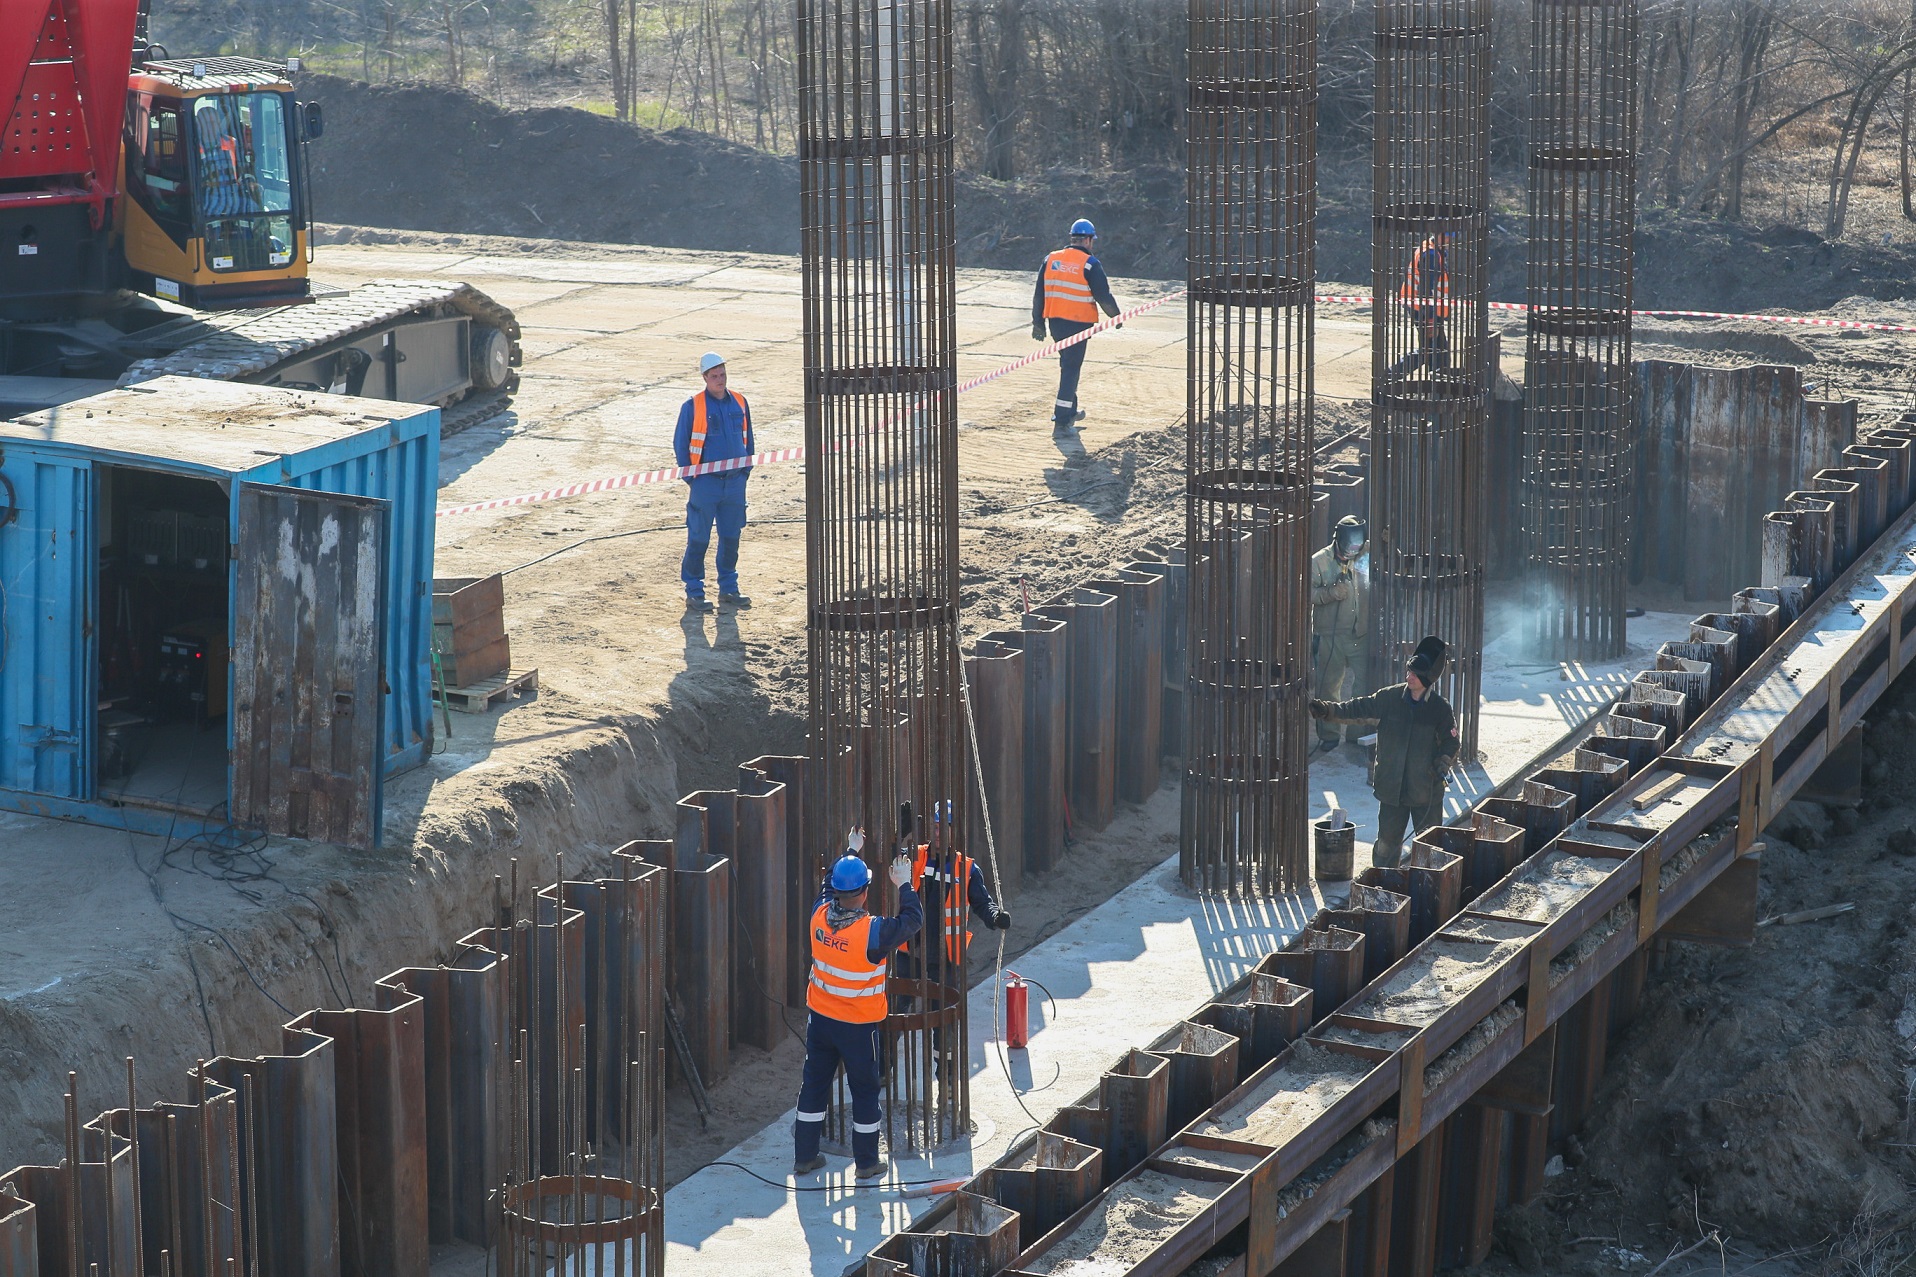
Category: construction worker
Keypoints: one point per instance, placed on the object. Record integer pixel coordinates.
(221, 190)
(846, 996)
(715, 425)
(936, 874)
(1426, 295)
(1416, 747)
(1071, 288)
(1340, 615)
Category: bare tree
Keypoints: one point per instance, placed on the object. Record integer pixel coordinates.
(994, 58)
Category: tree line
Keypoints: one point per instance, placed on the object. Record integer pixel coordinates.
(1731, 91)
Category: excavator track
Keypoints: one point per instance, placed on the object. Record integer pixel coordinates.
(257, 346)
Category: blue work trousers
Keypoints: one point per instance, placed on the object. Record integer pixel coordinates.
(1070, 364)
(828, 1044)
(728, 514)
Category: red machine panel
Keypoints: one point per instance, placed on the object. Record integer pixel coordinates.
(63, 65)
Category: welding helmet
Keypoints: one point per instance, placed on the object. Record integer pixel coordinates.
(850, 873)
(1430, 659)
(1349, 537)
(1083, 229)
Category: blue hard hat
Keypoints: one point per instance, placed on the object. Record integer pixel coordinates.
(1083, 226)
(941, 813)
(850, 873)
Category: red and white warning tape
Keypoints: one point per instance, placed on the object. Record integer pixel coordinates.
(642, 477)
(1808, 321)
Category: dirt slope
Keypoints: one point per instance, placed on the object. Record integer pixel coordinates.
(1765, 1093)
(424, 157)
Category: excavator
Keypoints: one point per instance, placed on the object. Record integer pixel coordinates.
(156, 219)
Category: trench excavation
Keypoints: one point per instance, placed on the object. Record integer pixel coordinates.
(1047, 706)
(1367, 1098)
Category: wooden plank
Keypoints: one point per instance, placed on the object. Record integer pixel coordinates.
(479, 698)
(1658, 791)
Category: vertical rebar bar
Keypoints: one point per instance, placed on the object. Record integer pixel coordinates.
(1430, 375)
(1578, 383)
(133, 1156)
(72, 1170)
(877, 239)
(1251, 199)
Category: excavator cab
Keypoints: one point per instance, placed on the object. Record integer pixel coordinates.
(216, 214)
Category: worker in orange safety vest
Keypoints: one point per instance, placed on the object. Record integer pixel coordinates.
(714, 425)
(1071, 289)
(1426, 296)
(950, 884)
(847, 1000)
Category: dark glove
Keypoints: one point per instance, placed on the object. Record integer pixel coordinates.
(1037, 330)
(1320, 709)
(1001, 921)
(1445, 763)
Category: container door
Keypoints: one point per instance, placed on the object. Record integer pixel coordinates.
(46, 624)
(308, 630)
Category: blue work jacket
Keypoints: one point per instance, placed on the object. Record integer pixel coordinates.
(724, 440)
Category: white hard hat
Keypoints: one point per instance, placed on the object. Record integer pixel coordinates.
(709, 360)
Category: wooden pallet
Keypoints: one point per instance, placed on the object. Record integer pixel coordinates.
(478, 698)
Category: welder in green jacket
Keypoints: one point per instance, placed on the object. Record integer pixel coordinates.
(1416, 747)
(1340, 607)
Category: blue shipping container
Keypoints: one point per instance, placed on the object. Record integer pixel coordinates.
(110, 509)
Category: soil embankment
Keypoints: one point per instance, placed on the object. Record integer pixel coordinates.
(425, 157)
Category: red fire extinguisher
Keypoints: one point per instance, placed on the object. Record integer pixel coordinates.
(1017, 1011)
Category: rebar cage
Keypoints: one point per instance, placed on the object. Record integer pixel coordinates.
(584, 1194)
(881, 485)
(1430, 368)
(1578, 383)
(1251, 193)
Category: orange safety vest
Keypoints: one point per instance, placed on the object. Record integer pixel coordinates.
(846, 984)
(1067, 295)
(1437, 298)
(957, 896)
(697, 449)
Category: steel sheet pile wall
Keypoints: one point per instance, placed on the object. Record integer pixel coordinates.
(1251, 203)
(1430, 347)
(1578, 382)
(1714, 449)
(513, 1095)
(1451, 1022)
(881, 489)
